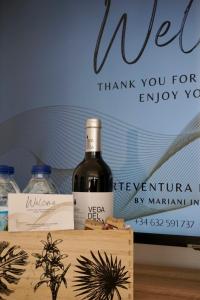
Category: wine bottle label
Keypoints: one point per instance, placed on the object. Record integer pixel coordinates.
(96, 206)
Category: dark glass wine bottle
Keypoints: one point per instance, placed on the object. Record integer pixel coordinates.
(92, 181)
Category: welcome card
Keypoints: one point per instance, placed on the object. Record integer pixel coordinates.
(36, 212)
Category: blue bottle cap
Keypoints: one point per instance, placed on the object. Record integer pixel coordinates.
(11, 170)
(41, 169)
(4, 169)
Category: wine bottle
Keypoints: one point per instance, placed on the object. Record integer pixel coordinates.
(92, 182)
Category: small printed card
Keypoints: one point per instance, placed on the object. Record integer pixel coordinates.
(36, 212)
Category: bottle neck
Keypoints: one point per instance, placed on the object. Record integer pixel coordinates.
(93, 140)
(40, 175)
(93, 155)
(5, 176)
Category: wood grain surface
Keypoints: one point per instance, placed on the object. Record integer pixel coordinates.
(71, 247)
(166, 283)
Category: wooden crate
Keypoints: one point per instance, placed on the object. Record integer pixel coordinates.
(74, 264)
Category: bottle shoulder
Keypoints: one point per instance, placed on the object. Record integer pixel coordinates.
(92, 165)
(6, 185)
(41, 186)
(92, 175)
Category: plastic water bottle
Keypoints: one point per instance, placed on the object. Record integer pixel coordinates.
(5, 188)
(12, 179)
(41, 182)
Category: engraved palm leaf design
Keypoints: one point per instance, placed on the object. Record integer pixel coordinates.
(12, 260)
(100, 278)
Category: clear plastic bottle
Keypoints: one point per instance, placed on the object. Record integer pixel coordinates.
(12, 179)
(5, 188)
(41, 182)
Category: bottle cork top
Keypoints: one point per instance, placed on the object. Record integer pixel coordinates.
(94, 123)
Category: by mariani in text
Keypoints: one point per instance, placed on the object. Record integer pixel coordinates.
(166, 201)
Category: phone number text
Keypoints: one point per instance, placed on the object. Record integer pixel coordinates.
(169, 223)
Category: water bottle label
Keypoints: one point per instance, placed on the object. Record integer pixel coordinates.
(3, 220)
(96, 206)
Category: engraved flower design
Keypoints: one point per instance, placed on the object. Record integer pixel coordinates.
(54, 271)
